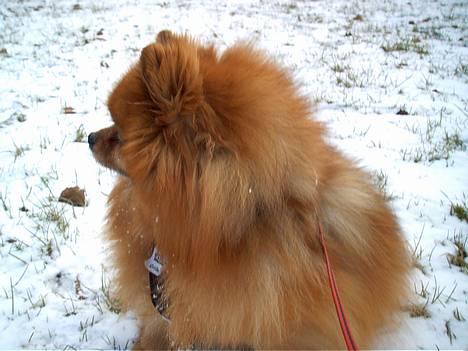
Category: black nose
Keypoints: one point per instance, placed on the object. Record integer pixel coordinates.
(92, 140)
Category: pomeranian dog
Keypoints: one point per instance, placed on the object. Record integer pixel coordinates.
(224, 181)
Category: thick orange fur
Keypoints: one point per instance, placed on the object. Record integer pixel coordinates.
(225, 172)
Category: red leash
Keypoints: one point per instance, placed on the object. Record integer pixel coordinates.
(348, 337)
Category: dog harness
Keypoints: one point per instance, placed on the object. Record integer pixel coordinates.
(156, 282)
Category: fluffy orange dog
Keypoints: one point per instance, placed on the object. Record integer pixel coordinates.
(225, 174)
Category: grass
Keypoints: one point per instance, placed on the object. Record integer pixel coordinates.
(3, 200)
(459, 257)
(457, 315)
(418, 310)
(339, 67)
(453, 142)
(448, 330)
(380, 179)
(459, 210)
(19, 151)
(44, 143)
(12, 297)
(50, 221)
(291, 7)
(80, 134)
(113, 345)
(71, 310)
(437, 294)
(410, 44)
(428, 32)
(461, 69)
(417, 252)
(51, 213)
(443, 149)
(40, 303)
(56, 216)
(340, 80)
(436, 143)
(112, 303)
(351, 79)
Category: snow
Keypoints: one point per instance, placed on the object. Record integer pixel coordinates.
(55, 274)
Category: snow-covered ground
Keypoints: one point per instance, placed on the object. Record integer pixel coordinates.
(390, 78)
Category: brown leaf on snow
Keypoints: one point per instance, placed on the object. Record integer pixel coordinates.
(73, 196)
(68, 110)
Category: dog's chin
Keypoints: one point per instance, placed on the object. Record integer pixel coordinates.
(110, 165)
(119, 171)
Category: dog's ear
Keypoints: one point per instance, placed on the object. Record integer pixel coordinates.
(164, 36)
(171, 73)
(170, 70)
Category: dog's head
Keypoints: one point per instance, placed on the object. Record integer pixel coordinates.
(159, 112)
(216, 136)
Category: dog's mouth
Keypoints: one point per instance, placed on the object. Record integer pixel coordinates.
(105, 152)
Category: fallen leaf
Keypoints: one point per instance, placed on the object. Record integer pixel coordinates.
(68, 110)
(73, 196)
